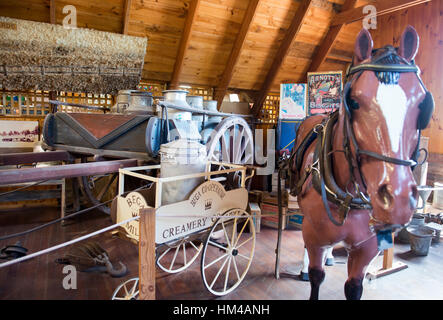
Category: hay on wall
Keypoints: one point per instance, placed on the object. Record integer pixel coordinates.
(42, 56)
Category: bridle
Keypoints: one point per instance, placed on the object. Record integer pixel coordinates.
(323, 177)
(353, 73)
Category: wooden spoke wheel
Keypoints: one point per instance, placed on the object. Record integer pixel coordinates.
(128, 290)
(99, 188)
(179, 255)
(226, 259)
(231, 142)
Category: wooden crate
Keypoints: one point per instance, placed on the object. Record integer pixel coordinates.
(270, 215)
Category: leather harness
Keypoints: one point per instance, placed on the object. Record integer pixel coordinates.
(321, 169)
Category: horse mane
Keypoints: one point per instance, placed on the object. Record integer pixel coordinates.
(393, 58)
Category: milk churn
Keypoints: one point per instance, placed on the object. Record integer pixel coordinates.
(177, 98)
(177, 158)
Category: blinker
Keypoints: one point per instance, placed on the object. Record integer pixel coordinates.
(426, 110)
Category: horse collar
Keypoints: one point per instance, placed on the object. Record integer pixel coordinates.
(323, 176)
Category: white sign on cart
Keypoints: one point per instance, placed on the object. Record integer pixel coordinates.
(180, 219)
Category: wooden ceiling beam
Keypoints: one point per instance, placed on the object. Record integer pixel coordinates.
(226, 77)
(126, 12)
(383, 7)
(290, 35)
(184, 43)
(52, 19)
(325, 48)
(339, 57)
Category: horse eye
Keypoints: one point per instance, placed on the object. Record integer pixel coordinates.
(353, 104)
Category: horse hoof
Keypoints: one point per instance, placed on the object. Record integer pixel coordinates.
(303, 276)
(329, 262)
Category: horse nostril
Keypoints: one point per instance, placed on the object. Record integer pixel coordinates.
(385, 196)
(414, 191)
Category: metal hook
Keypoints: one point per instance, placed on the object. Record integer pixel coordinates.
(116, 273)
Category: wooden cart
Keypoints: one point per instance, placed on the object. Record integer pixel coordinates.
(212, 221)
(99, 137)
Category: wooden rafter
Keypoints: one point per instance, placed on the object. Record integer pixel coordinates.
(126, 12)
(290, 35)
(326, 46)
(52, 19)
(383, 7)
(184, 43)
(340, 58)
(220, 91)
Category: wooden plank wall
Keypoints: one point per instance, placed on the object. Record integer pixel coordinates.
(428, 21)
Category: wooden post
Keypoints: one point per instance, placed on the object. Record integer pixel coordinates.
(388, 264)
(388, 258)
(147, 254)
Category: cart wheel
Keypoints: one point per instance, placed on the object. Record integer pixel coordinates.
(230, 255)
(99, 188)
(179, 255)
(128, 290)
(231, 142)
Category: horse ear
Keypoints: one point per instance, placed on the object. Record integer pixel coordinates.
(409, 43)
(363, 45)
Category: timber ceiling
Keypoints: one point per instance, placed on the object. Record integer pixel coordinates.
(239, 44)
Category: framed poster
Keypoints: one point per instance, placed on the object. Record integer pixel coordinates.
(293, 101)
(15, 134)
(324, 91)
(286, 134)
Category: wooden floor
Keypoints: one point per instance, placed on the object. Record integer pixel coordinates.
(41, 277)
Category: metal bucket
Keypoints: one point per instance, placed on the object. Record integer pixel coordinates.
(197, 103)
(177, 158)
(211, 105)
(420, 240)
(177, 98)
(123, 101)
(417, 221)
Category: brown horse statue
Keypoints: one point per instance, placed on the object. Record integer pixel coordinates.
(352, 169)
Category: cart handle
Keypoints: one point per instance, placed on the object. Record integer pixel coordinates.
(252, 169)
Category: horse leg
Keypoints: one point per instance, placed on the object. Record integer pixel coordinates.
(304, 276)
(315, 271)
(329, 257)
(304, 271)
(358, 261)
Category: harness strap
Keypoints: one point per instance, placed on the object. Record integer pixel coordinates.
(295, 162)
(326, 205)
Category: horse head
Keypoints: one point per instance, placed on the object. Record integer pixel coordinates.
(386, 106)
